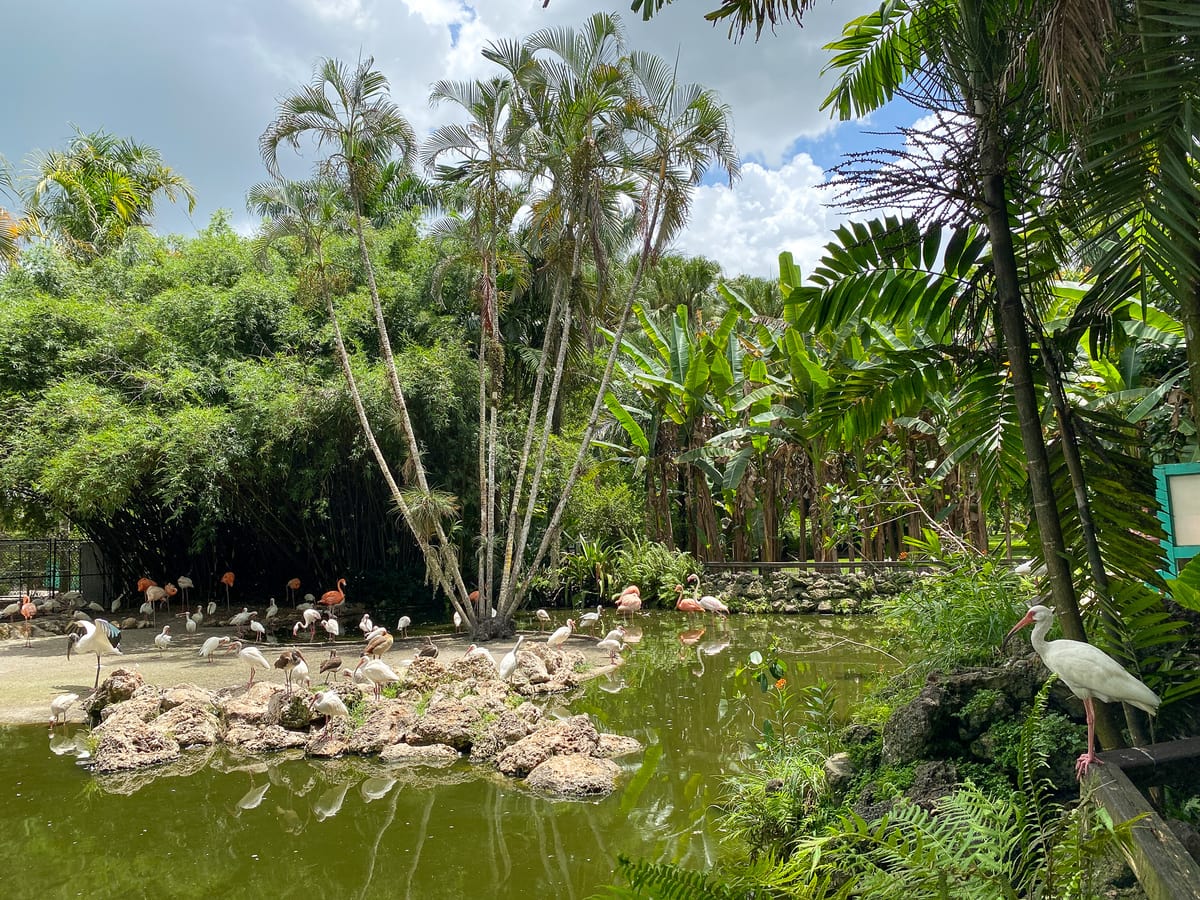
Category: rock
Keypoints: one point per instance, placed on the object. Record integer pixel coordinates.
(611, 746)
(118, 687)
(290, 711)
(327, 743)
(126, 742)
(145, 704)
(503, 730)
(186, 693)
(839, 773)
(190, 724)
(423, 755)
(472, 668)
(257, 738)
(932, 780)
(424, 675)
(247, 706)
(388, 723)
(574, 735)
(455, 724)
(575, 775)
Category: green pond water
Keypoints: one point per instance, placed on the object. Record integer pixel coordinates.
(221, 825)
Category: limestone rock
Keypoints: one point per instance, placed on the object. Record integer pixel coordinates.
(186, 693)
(189, 724)
(610, 746)
(247, 706)
(424, 755)
(424, 675)
(126, 742)
(575, 775)
(258, 738)
(327, 743)
(145, 704)
(574, 735)
(505, 729)
(455, 724)
(388, 723)
(290, 711)
(118, 687)
(839, 772)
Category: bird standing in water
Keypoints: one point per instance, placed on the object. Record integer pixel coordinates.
(1089, 672)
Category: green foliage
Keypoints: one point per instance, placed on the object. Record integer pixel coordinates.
(654, 568)
(783, 798)
(666, 882)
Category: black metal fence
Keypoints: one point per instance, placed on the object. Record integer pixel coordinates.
(53, 566)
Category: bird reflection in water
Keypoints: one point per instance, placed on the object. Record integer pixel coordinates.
(376, 788)
(329, 804)
(612, 683)
(253, 797)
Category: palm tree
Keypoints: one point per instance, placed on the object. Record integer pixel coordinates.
(349, 111)
(12, 226)
(89, 195)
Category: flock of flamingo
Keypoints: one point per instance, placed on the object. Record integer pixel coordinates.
(103, 638)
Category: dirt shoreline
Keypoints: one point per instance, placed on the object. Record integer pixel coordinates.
(30, 677)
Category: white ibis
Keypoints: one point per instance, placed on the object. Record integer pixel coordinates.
(259, 629)
(617, 634)
(378, 673)
(332, 627)
(10, 611)
(240, 620)
(162, 640)
(59, 706)
(251, 656)
(294, 666)
(330, 705)
(100, 637)
(272, 611)
(591, 619)
(402, 626)
(508, 663)
(610, 646)
(380, 644)
(477, 652)
(457, 619)
(543, 618)
(212, 607)
(1089, 672)
(211, 645)
(560, 635)
(365, 625)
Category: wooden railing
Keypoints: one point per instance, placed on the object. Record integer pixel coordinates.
(839, 565)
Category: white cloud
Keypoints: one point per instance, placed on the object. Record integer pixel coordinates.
(746, 227)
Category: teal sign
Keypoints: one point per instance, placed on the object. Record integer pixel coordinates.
(1178, 496)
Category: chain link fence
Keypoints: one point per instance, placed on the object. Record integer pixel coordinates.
(45, 568)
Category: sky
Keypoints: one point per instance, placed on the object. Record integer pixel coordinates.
(200, 82)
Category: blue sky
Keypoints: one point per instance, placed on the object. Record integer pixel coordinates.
(200, 82)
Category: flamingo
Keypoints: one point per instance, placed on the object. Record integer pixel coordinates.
(308, 619)
(560, 636)
(333, 664)
(100, 637)
(185, 585)
(153, 595)
(251, 656)
(629, 603)
(380, 644)
(171, 591)
(688, 605)
(59, 706)
(227, 580)
(292, 586)
(708, 602)
(210, 646)
(402, 626)
(1089, 672)
(335, 597)
(162, 640)
(330, 705)
(378, 673)
(28, 611)
(509, 663)
(145, 583)
(543, 618)
(591, 619)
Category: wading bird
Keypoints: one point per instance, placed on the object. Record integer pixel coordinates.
(332, 627)
(481, 653)
(457, 620)
(259, 629)
(380, 644)
(365, 625)
(335, 597)
(272, 611)
(708, 602)
(251, 656)
(227, 580)
(402, 626)
(508, 663)
(330, 705)
(591, 620)
(185, 585)
(378, 673)
(1089, 672)
(162, 640)
(100, 637)
(629, 603)
(610, 646)
(543, 618)
(292, 586)
(59, 707)
(430, 649)
(211, 645)
(688, 605)
(28, 611)
(560, 636)
(294, 667)
(331, 665)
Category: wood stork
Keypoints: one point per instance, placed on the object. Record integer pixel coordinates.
(100, 637)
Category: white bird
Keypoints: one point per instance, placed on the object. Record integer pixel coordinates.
(332, 628)
(272, 611)
(457, 619)
(211, 645)
(587, 620)
(259, 629)
(100, 637)
(11, 610)
(300, 670)
(560, 636)
(359, 680)
(198, 616)
(481, 653)
(308, 619)
(618, 634)
(251, 656)
(239, 620)
(116, 605)
(330, 705)
(291, 661)
(365, 625)
(708, 602)
(190, 625)
(95, 607)
(376, 632)
(162, 640)
(378, 673)
(1089, 672)
(212, 607)
(509, 662)
(610, 646)
(59, 706)
(80, 616)
(146, 609)
(402, 626)
(543, 618)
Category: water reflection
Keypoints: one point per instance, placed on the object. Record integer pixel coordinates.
(415, 831)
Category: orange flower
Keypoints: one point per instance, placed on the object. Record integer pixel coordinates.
(780, 683)
(904, 554)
